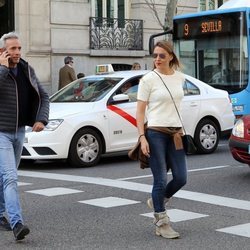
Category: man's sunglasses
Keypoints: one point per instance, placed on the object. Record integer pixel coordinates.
(162, 56)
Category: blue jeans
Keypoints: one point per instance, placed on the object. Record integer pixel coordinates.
(11, 144)
(163, 152)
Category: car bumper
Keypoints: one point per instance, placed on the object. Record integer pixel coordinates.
(46, 145)
(42, 152)
(240, 150)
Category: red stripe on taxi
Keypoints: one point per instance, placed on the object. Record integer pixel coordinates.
(123, 114)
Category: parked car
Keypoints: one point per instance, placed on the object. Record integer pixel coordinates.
(95, 115)
(239, 141)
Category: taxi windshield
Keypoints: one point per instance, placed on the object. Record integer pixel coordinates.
(86, 89)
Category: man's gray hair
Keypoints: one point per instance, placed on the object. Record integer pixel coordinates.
(1, 44)
(68, 59)
(10, 35)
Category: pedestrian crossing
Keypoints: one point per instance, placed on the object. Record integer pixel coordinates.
(176, 215)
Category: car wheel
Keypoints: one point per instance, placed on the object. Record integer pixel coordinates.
(206, 136)
(85, 148)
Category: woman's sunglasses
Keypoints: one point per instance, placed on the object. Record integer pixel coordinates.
(162, 56)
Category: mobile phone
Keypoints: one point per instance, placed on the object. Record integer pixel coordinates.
(4, 49)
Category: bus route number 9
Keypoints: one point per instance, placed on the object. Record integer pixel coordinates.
(186, 29)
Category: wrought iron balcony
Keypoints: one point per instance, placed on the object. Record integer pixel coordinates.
(116, 34)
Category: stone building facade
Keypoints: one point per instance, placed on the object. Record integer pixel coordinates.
(52, 29)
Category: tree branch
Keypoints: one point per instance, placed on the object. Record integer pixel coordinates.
(151, 5)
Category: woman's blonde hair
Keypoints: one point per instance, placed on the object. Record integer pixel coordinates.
(166, 45)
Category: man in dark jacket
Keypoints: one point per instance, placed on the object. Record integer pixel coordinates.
(23, 102)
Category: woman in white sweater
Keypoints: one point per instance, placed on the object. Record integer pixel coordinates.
(161, 142)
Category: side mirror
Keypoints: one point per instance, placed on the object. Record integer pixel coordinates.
(120, 98)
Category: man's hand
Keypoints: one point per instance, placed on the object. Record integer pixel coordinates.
(4, 58)
(38, 126)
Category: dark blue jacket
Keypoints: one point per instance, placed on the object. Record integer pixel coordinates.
(39, 103)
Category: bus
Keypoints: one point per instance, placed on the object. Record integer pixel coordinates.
(214, 46)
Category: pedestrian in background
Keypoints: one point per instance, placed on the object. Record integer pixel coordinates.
(161, 141)
(67, 73)
(80, 75)
(136, 66)
(22, 102)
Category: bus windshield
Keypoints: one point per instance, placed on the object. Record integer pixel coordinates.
(213, 48)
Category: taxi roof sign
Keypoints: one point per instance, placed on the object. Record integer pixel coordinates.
(104, 69)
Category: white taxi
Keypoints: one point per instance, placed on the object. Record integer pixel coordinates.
(95, 115)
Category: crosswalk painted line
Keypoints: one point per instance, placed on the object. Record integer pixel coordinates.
(23, 183)
(241, 230)
(145, 188)
(108, 202)
(177, 215)
(54, 191)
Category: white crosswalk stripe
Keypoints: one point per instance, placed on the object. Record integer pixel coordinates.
(241, 230)
(54, 191)
(176, 215)
(23, 183)
(108, 202)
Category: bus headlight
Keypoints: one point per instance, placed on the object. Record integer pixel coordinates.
(238, 129)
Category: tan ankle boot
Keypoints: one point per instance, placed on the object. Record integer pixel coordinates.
(151, 204)
(163, 227)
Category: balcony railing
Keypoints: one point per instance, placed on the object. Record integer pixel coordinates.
(116, 34)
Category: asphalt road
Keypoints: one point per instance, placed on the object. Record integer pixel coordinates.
(104, 207)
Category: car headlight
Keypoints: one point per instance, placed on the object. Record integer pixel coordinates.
(238, 129)
(51, 126)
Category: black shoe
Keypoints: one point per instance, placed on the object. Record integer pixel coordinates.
(4, 224)
(20, 231)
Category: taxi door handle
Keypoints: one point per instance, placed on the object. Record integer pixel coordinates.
(193, 104)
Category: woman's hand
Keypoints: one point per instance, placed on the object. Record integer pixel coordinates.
(144, 146)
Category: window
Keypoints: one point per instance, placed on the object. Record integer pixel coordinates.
(88, 89)
(6, 16)
(202, 5)
(121, 13)
(210, 4)
(219, 59)
(190, 89)
(129, 88)
(220, 2)
(110, 12)
(98, 12)
(110, 9)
